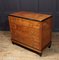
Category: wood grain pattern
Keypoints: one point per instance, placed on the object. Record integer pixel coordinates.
(34, 34)
(31, 15)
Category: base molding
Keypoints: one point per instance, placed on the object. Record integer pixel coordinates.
(30, 48)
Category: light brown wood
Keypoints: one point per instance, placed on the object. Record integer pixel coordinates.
(31, 15)
(31, 29)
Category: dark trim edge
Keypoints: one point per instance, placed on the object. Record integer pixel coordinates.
(39, 53)
(30, 18)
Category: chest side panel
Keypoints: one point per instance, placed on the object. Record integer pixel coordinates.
(47, 28)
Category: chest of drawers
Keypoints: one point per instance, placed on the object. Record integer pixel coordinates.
(31, 30)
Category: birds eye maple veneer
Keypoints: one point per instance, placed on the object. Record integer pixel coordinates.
(31, 30)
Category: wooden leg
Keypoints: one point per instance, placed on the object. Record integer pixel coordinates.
(40, 54)
(13, 42)
(49, 45)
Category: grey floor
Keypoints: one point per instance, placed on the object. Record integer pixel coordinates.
(8, 51)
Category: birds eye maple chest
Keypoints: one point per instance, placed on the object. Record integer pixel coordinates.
(31, 30)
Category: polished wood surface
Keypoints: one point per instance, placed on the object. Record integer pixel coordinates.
(31, 15)
(29, 33)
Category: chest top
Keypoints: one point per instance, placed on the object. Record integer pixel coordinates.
(31, 15)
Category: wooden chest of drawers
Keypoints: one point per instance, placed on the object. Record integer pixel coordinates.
(31, 30)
